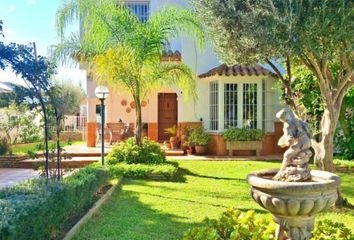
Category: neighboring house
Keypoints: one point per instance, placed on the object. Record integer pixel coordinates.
(236, 96)
(4, 88)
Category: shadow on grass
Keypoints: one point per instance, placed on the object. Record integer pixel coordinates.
(183, 171)
(125, 217)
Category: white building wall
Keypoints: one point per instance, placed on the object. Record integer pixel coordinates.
(188, 111)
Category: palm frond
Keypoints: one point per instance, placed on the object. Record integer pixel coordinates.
(178, 75)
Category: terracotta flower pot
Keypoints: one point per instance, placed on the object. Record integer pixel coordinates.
(174, 142)
(189, 150)
(200, 150)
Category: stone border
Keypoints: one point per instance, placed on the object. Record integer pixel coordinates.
(77, 227)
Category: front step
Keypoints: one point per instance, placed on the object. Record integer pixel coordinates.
(174, 153)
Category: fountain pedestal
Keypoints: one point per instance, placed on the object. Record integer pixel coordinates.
(294, 204)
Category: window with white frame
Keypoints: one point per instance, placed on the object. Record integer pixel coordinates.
(230, 105)
(140, 8)
(240, 105)
(250, 105)
(213, 106)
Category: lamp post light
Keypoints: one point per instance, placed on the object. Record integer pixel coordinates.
(102, 93)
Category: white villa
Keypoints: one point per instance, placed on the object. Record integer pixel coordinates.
(235, 96)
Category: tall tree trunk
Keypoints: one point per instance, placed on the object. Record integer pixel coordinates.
(324, 148)
(138, 123)
(58, 147)
(46, 135)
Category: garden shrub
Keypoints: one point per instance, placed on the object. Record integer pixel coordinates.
(344, 163)
(233, 224)
(4, 146)
(236, 225)
(329, 230)
(243, 134)
(162, 171)
(199, 137)
(129, 152)
(41, 208)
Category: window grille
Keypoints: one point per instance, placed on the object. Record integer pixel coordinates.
(140, 8)
(230, 105)
(250, 105)
(213, 106)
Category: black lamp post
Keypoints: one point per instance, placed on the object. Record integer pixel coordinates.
(102, 93)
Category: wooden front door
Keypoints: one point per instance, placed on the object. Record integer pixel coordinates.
(167, 114)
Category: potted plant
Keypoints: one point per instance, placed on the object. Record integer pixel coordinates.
(243, 139)
(173, 139)
(200, 138)
(187, 148)
(167, 144)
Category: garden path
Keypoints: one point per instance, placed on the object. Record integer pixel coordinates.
(11, 176)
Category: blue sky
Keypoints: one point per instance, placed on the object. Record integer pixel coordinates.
(28, 21)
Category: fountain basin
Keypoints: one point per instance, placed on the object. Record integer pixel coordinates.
(294, 204)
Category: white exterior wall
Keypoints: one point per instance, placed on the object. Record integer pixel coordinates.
(188, 111)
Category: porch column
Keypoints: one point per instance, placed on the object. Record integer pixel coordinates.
(91, 113)
(179, 106)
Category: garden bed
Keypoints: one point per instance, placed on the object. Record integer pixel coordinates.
(101, 196)
(42, 209)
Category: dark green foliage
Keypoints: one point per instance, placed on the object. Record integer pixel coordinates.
(4, 146)
(243, 134)
(345, 144)
(308, 95)
(236, 225)
(40, 208)
(162, 171)
(129, 152)
(309, 98)
(344, 138)
(199, 137)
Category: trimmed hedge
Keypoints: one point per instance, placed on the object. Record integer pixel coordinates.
(163, 171)
(243, 134)
(129, 152)
(41, 209)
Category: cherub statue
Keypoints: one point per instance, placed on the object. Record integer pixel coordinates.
(297, 136)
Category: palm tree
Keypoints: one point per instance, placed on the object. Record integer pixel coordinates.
(123, 52)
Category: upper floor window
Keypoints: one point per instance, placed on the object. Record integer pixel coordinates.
(140, 8)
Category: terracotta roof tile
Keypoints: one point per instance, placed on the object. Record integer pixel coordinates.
(237, 70)
(171, 56)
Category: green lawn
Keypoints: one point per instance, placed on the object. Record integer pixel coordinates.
(22, 149)
(164, 210)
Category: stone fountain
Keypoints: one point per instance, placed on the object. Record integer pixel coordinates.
(294, 194)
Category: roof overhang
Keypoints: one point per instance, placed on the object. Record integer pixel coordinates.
(170, 56)
(237, 70)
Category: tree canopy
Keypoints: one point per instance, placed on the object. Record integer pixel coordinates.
(317, 35)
